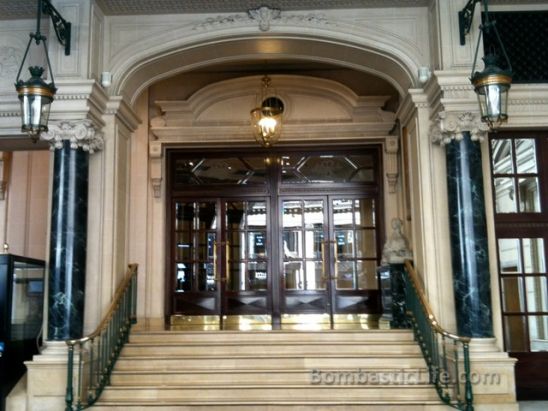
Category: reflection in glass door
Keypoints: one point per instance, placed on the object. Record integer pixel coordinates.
(330, 256)
(196, 267)
(246, 257)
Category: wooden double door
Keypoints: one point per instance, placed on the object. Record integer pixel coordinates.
(274, 258)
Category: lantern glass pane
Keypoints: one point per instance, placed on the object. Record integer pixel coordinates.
(493, 102)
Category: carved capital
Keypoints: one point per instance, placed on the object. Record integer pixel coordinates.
(81, 134)
(448, 127)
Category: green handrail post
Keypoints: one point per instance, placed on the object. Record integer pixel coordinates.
(69, 397)
(429, 335)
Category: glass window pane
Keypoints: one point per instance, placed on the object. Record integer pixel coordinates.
(292, 244)
(313, 214)
(257, 244)
(206, 277)
(538, 332)
(184, 215)
(258, 276)
(501, 151)
(366, 246)
(313, 244)
(515, 334)
(207, 216)
(27, 296)
(315, 277)
(256, 214)
(529, 196)
(184, 276)
(537, 294)
(294, 276)
(327, 169)
(235, 215)
(345, 273)
(342, 213)
(512, 295)
(509, 256)
(344, 241)
(367, 275)
(236, 245)
(292, 214)
(533, 254)
(364, 212)
(505, 195)
(206, 241)
(184, 246)
(526, 158)
(236, 279)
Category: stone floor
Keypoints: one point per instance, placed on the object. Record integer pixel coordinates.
(533, 406)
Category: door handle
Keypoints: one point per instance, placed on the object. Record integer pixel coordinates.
(227, 262)
(215, 278)
(336, 260)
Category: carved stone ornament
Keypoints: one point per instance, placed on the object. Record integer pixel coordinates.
(396, 249)
(448, 127)
(81, 134)
(264, 15)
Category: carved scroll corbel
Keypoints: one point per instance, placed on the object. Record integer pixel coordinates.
(155, 154)
(391, 158)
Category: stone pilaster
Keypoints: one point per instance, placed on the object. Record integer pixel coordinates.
(72, 141)
(460, 133)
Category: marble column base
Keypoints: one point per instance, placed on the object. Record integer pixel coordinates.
(493, 379)
(47, 378)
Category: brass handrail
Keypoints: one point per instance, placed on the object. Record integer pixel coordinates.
(444, 352)
(413, 276)
(99, 350)
(131, 270)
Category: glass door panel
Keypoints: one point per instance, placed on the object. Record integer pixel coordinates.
(195, 264)
(302, 236)
(355, 255)
(246, 257)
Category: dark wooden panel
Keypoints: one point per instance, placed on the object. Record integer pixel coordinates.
(531, 375)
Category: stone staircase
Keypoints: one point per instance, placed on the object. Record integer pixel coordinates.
(274, 370)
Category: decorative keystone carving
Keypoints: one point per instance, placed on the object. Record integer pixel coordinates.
(264, 15)
(81, 134)
(396, 249)
(448, 127)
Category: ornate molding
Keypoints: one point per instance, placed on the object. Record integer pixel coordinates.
(81, 134)
(448, 127)
(264, 15)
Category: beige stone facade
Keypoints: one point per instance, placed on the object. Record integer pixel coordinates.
(188, 80)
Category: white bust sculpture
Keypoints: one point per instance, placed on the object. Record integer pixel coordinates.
(396, 249)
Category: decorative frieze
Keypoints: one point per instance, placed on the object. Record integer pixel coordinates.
(263, 15)
(81, 134)
(449, 126)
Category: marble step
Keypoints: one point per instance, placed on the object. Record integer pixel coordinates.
(174, 406)
(269, 377)
(258, 394)
(271, 336)
(273, 349)
(193, 362)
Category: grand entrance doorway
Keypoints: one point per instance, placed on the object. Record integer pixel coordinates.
(274, 239)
